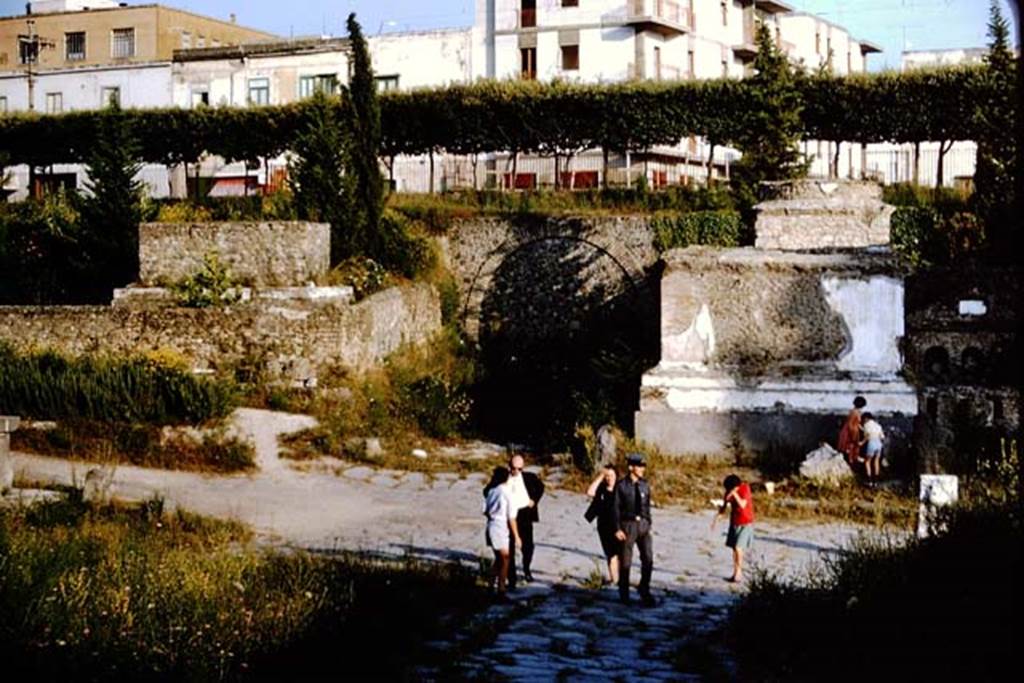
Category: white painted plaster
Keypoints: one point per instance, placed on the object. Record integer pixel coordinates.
(973, 307)
(872, 309)
(696, 344)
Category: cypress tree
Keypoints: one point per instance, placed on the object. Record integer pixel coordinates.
(995, 176)
(365, 149)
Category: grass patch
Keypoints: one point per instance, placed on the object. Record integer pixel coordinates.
(693, 482)
(933, 609)
(136, 594)
(137, 444)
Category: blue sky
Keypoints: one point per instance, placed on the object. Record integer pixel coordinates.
(893, 24)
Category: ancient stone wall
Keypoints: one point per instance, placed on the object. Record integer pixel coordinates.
(963, 350)
(267, 254)
(292, 340)
(507, 268)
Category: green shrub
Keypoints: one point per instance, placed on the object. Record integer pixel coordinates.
(49, 386)
(914, 597)
(441, 409)
(212, 285)
(913, 233)
(945, 200)
(712, 228)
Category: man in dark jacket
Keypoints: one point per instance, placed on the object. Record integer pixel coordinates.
(526, 491)
(633, 510)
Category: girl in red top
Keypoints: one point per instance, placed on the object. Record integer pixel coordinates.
(741, 522)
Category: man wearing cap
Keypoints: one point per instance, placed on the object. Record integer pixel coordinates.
(633, 510)
(525, 491)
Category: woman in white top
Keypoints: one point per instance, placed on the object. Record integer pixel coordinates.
(501, 521)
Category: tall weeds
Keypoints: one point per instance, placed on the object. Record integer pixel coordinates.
(50, 386)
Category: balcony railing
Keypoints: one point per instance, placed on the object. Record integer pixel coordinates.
(664, 16)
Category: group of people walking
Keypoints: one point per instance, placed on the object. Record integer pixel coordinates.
(622, 509)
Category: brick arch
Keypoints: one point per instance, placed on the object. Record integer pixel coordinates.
(480, 248)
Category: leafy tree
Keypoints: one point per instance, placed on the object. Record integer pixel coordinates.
(772, 120)
(323, 191)
(112, 209)
(998, 164)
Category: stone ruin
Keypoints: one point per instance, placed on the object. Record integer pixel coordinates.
(287, 326)
(763, 349)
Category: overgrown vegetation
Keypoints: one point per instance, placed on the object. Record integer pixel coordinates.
(419, 396)
(211, 285)
(136, 594)
(48, 386)
(712, 228)
(915, 597)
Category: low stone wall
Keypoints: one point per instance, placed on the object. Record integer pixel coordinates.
(293, 341)
(267, 254)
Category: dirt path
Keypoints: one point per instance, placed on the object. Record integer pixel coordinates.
(560, 630)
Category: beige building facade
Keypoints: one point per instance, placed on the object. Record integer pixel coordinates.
(107, 33)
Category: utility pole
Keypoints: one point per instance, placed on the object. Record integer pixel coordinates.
(30, 45)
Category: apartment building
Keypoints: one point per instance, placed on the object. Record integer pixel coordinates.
(82, 33)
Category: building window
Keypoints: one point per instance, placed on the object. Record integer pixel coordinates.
(849, 62)
(200, 98)
(200, 41)
(528, 63)
(571, 57)
(54, 103)
(122, 43)
(259, 91)
(386, 83)
(3, 104)
(74, 46)
(528, 13)
(570, 3)
(186, 40)
(817, 43)
(657, 63)
(691, 64)
(110, 96)
(725, 68)
(325, 83)
(725, 12)
(28, 51)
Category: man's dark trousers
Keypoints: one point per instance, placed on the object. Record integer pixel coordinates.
(638, 532)
(524, 520)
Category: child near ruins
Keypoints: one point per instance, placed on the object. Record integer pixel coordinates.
(872, 442)
(741, 522)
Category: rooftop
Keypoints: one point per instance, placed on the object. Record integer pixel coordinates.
(264, 48)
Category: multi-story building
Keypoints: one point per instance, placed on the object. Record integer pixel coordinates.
(80, 33)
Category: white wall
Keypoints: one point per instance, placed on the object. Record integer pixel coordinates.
(141, 85)
(424, 59)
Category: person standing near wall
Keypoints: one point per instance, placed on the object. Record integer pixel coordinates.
(633, 512)
(850, 435)
(526, 491)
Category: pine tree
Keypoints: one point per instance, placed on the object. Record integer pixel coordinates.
(112, 208)
(995, 199)
(772, 129)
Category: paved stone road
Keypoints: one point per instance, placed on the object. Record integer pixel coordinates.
(557, 630)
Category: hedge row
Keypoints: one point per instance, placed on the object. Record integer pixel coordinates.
(545, 118)
(48, 386)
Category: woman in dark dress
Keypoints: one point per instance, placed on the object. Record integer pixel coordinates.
(602, 495)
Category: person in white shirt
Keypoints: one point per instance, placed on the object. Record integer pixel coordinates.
(501, 527)
(526, 491)
(872, 442)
